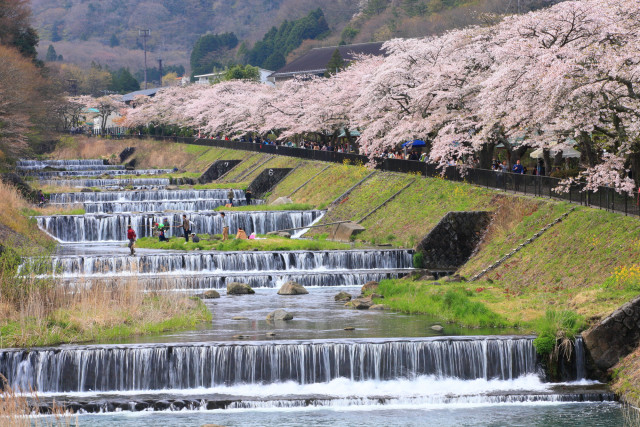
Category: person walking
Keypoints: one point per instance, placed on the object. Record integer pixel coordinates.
(186, 228)
(131, 235)
(230, 197)
(225, 226)
(247, 196)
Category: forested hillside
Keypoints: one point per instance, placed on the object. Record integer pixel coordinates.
(106, 31)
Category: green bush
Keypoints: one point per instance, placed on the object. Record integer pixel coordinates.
(555, 326)
(418, 260)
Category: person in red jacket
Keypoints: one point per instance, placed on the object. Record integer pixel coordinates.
(131, 235)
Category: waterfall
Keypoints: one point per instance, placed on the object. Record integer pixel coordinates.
(124, 182)
(254, 279)
(229, 262)
(37, 170)
(41, 164)
(161, 206)
(144, 196)
(185, 366)
(88, 173)
(581, 372)
(103, 227)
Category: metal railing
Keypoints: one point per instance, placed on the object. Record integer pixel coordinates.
(541, 186)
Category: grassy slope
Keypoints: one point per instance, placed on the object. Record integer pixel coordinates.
(330, 184)
(297, 178)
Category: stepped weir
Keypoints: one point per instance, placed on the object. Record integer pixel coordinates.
(328, 360)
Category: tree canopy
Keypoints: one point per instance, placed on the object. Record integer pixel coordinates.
(206, 52)
(271, 51)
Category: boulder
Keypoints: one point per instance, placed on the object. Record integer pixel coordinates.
(210, 294)
(349, 328)
(271, 334)
(343, 296)
(378, 307)
(369, 287)
(455, 278)
(427, 278)
(236, 288)
(279, 314)
(361, 303)
(86, 190)
(282, 201)
(345, 231)
(239, 318)
(373, 296)
(437, 328)
(292, 288)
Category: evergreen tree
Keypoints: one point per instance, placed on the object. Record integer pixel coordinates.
(122, 81)
(335, 65)
(56, 35)
(279, 42)
(203, 56)
(113, 41)
(274, 62)
(51, 54)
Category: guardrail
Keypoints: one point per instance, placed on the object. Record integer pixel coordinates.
(541, 186)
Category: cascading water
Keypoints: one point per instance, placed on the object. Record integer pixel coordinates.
(161, 206)
(115, 182)
(338, 278)
(144, 196)
(228, 262)
(104, 228)
(318, 363)
(156, 367)
(63, 164)
(44, 175)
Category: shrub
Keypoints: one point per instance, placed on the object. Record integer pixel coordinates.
(418, 260)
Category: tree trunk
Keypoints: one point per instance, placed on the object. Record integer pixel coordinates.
(546, 155)
(585, 143)
(485, 155)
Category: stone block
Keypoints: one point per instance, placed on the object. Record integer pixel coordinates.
(344, 231)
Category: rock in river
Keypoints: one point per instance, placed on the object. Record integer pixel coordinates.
(292, 288)
(279, 314)
(236, 288)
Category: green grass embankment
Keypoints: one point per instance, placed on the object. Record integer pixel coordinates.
(265, 243)
(296, 179)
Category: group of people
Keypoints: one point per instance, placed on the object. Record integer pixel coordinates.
(517, 168)
(188, 227)
(248, 196)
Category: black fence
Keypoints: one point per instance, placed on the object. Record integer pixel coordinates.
(542, 186)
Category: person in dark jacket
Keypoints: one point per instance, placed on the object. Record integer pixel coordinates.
(517, 168)
(247, 196)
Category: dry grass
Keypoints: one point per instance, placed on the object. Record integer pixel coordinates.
(51, 312)
(23, 409)
(149, 153)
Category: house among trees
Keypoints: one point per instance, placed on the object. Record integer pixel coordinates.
(316, 61)
(128, 97)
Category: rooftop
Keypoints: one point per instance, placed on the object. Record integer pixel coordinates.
(127, 97)
(315, 61)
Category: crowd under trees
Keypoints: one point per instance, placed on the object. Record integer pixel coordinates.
(564, 76)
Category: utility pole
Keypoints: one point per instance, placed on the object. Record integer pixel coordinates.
(145, 34)
(73, 86)
(160, 69)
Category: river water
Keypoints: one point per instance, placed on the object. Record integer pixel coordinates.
(329, 366)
